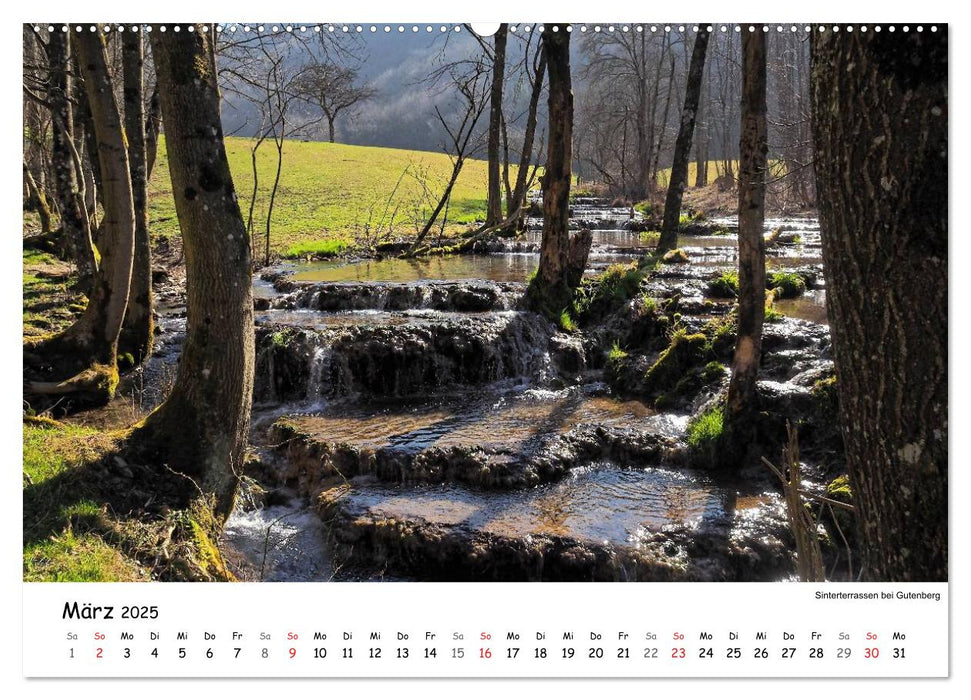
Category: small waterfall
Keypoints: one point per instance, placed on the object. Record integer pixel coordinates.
(319, 364)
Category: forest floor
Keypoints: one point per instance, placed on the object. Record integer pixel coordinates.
(90, 512)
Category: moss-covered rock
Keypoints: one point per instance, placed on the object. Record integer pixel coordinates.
(675, 257)
(600, 296)
(683, 354)
(724, 286)
(785, 285)
(704, 435)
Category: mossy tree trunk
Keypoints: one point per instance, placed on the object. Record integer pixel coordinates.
(88, 349)
(551, 291)
(38, 200)
(742, 396)
(682, 147)
(201, 429)
(494, 201)
(138, 329)
(65, 161)
(880, 133)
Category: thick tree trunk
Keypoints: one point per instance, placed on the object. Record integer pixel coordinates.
(153, 126)
(330, 128)
(753, 147)
(88, 349)
(682, 147)
(551, 290)
(137, 332)
(64, 161)
(109, 297)
(201, 429)
(494, 201)
(880, 134)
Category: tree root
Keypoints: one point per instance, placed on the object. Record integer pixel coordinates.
(93, 386)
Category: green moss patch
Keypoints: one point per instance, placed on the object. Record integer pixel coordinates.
(725, 286)
(785, 285)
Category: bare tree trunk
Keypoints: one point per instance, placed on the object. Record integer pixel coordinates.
(278, 142)
(442, 203)
(880, 134)
(494, 202)
(87, 351)
(704, 137)
(330, 128)
(551, 290)
(153, 126)
(522, 175)
(138, 330)
(656, 159)
(682, 147)
(506, 184)
(201, 429)
(64, 160)
(742, 396)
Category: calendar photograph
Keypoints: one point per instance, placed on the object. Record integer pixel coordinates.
(523, 302)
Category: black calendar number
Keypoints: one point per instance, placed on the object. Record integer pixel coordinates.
(761, 653)
(127, 653)
(320, 653)
(237, 650)
(733, 653)
(139, 612)
(596, 653)
(568, 653)
(181, 652)
(816, 653)
(706, 653)
(375, 652)
(788, 652)
(898, 653)
(402, 652)
(539, 653)
(512, 652)
(623, 653)
(431, 653)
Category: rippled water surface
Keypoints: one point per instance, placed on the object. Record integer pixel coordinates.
(601, 502)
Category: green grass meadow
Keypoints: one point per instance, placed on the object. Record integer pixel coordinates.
(334, 192)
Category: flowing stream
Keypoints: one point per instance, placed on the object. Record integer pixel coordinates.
(420, 426)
